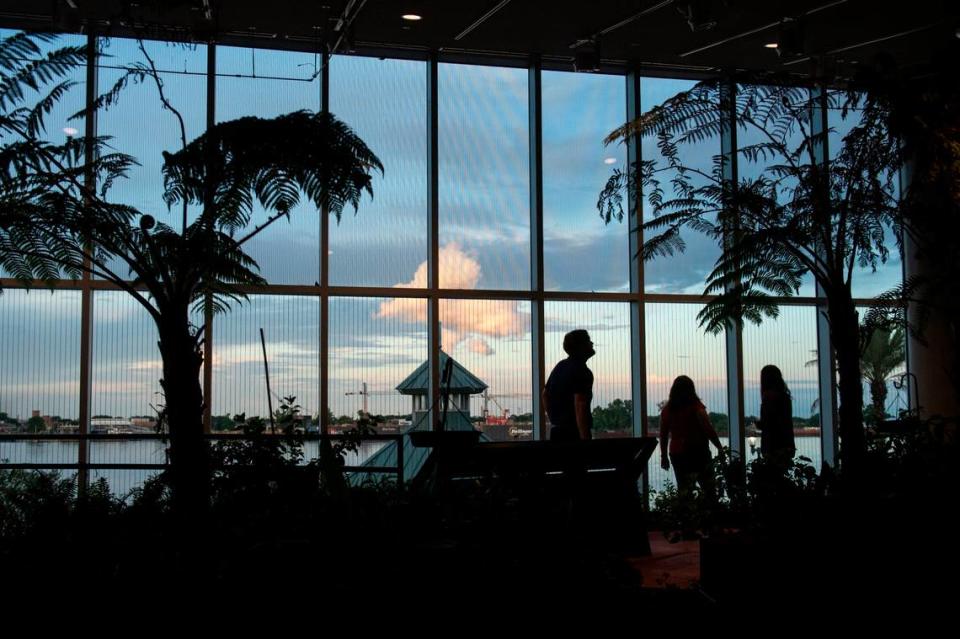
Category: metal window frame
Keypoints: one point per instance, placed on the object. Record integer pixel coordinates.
(536, 294)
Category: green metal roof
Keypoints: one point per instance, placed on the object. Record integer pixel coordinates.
(462, 380)
(413, 457)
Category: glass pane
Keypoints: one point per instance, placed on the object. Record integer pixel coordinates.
(489, 341)
(40, 359)
(684, 272)
(883, 364)
(579, 110)
(58, 125)
(376, 344)
(867, 282)
(39, 374)
(484, 175)
(291, 327)
(266, 84)
(790, 343)
(139, 124)
(609, 326)
(750, 134)
(676, 345)
(127, 368)
(385, 241)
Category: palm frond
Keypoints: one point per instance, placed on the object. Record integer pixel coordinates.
(277, 160)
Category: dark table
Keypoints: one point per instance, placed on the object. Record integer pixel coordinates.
(598, 478)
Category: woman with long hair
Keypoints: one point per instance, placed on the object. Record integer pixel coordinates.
(685, 431)
(776, 416)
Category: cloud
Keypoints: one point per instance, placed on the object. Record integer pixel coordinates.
(461, 319)
(480, 346)
(146, 365)
(280, 354)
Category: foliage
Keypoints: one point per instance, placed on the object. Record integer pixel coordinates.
(616, 416)
(720, 422)
(36, 425)
(682, 514)
(791, 219)
(222, 422)
(797, 216)
(36, 174)
(922, 116)
(29, 500)
(883, 353)
(53, 222)
(743, 495)
(333, 451)
(918, 462)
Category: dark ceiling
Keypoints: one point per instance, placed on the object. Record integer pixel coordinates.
(652, 34)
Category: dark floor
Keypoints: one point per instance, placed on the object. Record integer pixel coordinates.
(669, 565)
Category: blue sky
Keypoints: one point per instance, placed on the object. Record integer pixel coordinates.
(484, 230)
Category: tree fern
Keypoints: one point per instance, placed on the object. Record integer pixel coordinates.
(795, 218)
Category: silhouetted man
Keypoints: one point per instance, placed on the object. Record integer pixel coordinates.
(569, 390)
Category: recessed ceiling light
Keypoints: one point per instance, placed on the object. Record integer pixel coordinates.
(610, 161)
(771, 45)
(69, 130)
(412, 17)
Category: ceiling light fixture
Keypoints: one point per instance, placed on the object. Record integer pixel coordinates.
(698, 13)
(412, 17)
(771, 45)
(586, 58)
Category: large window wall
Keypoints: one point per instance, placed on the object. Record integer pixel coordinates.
(482, 243)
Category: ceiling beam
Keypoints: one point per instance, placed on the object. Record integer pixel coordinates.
(482, 19)
(751, 32)
(623, 23)
(345, 20)
(866, 43)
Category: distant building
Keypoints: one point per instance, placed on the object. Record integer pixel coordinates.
(463, 384)
(143, 422)
(105, 425)
(49, 421)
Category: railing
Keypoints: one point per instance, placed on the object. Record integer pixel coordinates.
(79, 452)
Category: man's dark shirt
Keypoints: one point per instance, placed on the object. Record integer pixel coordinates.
(569, 377)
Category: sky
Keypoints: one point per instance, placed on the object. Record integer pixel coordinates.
(484, 197)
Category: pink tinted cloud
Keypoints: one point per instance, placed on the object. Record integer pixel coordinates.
(480, 346)
(462, 320)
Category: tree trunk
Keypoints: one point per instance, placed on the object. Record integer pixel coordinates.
(183, 398)
(878, 393)
(845, 334)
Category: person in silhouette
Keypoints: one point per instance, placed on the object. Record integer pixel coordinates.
(776, 417)
(569, 391)
(685, 432)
